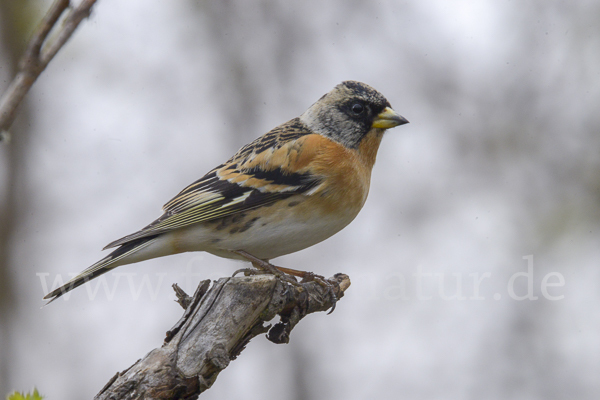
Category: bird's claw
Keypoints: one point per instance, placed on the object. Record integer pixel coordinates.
(249, 272)
(323, 282)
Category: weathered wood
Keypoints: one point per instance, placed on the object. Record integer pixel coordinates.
(217, 325)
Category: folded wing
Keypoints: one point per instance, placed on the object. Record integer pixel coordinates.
(273, 167)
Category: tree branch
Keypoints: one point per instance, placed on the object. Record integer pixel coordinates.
(38, 54)
(216, 326)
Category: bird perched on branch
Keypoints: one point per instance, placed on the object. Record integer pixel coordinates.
(291, 188)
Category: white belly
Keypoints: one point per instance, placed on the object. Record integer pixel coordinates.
(266, 235)
(274, 240)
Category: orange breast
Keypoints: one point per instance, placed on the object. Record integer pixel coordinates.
(347, 172)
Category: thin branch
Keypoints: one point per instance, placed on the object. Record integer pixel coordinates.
(43, 30)
(38, 54)
(215, 328)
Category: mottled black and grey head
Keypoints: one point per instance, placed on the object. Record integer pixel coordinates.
(349, 112)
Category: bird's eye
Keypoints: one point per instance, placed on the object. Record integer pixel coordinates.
(357, 108)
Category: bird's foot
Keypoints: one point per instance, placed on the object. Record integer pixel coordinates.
(287, 275)
(262, 267)
(323, 282)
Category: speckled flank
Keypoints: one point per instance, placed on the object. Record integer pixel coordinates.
(246, 225)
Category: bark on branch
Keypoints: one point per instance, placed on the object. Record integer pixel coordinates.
(217, 325)
(38, 54)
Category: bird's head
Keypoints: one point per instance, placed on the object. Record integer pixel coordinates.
(349, 112)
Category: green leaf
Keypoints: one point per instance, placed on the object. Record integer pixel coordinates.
(19, 396)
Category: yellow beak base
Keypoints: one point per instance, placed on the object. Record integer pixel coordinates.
(388, 118)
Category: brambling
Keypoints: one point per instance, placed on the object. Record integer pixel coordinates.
(291, 188)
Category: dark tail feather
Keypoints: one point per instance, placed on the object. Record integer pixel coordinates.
(100, 267)
(80, 279)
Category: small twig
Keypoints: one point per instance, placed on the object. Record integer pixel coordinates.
(182, 297)
(186, 301)
(32, 53)
(38, 54)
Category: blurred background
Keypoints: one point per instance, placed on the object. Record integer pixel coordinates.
(474, 264)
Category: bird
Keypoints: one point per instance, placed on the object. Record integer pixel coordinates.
(293, 187)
